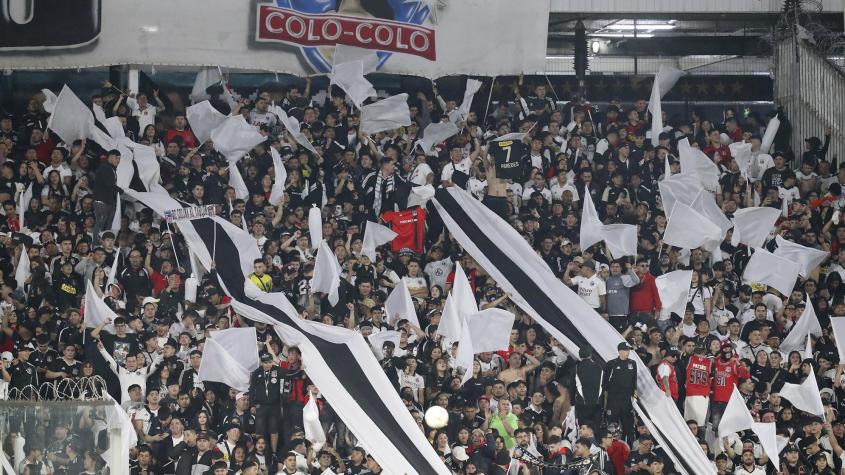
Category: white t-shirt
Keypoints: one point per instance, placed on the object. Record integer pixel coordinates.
(145, 117)
(438, 271)
(413, 283)
(590, 289)
(465, 165)
(420, 173)
(557, 191)
(478, 188)
(413, 381)
(697, 297)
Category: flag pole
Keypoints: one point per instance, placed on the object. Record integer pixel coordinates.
(489, 98)
(173, 243)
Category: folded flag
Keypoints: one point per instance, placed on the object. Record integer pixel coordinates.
(277, 191)
(769, 135)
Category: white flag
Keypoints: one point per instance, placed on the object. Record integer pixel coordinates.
(696, 162)
(277, 191)
(115, 222)
(705, 203)
(838, 325)
(767, 434)
(73, 120)
(149, 169)
(23, 204)
(346, 54)
(375, 235)
(350, 77)
(420, 195)
(807, 258)
(311, 424)
(683, 187)
(769, 269)
(386, 114)
(688, 229)
(673, 289)
(96, 310)
(769, 136)
(22, 271)
(621, 239)
(464, 302)
(804, 396)
(736, 417)
(741, 152)
(114, 127)
(206, 78)
(294, 128)
(807, 324)
(50, 100)
(230, 356)
(236, 181)
(466, 352)
(473, 85)
(113, 270)
(451, 321)
(315, 226)
(376, 341)
(752, 225)
(667, 76)
(591, 225)
(399, 305)
(203, 119)
(435, 133)
(326, 273)
(234, 138)
(656, 110)
(490, 329)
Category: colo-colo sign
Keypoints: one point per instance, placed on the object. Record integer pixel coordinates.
(316, 26)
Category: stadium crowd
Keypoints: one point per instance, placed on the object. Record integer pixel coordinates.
(532, 399)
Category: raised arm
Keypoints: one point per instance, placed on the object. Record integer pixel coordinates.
(105, 354)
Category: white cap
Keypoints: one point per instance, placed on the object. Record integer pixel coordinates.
(7, 356)
(149, 300)
(460, 454)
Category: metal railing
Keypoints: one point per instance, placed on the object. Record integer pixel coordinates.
(812, 92)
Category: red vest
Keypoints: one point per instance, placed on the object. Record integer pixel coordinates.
(673, 379)
(698, 380)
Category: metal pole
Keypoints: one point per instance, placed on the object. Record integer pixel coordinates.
(486, 109)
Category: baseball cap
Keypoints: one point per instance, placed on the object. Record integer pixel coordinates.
(148, 300)
(460, 453)
(7, 356)
(623, 346)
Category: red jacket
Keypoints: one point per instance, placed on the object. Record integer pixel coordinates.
(188, 138)
(644, 296)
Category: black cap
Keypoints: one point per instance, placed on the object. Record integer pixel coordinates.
(203, 435)
(623, 346)
(266, 357)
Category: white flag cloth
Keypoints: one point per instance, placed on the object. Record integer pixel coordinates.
(767, 433)
(73, 120)
(375, 235)
(736, 418)
(203, 119)
(377, 340)
(277, 191)
(315, 226)
(435, 133)
(115, 222)
(118, 420)
(420, 195)
(386, 114)
(464, 301)
(23, 204)
(451, 321)
(234, 138)
(466, 352)
(688, 229)
(206, 78)
(99, 112)
(459, 114)
(399, 305)
(769, 135)
(808, 348)
(50, 100)
(769, 269)
(807, 258)
(149, 169)
(125, 171)
(752, 225)
(838, 325)
(673, 289)
(705, 203)
(807, 324)
(621, 239)
(664, 81)
(229, 357)
(114, 127)
(112, 278)
(350, 77)
(696, 162)
(294, 128)
(591, 225)
(656, 110)
(236, 181)
(686, 188)
(326, 273)
(346, 54)
(490, 329)
(804, 396)
(96, 310)
(311, 423)
(22, 271)
(741, 152)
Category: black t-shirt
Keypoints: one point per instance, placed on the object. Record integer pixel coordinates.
(119, 347)
(636, 458)
(62, 366)
(510, 158)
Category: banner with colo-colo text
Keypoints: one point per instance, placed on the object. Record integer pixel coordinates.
(419, 37)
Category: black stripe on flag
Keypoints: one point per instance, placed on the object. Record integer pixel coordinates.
(516, 276)
(338, 357)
